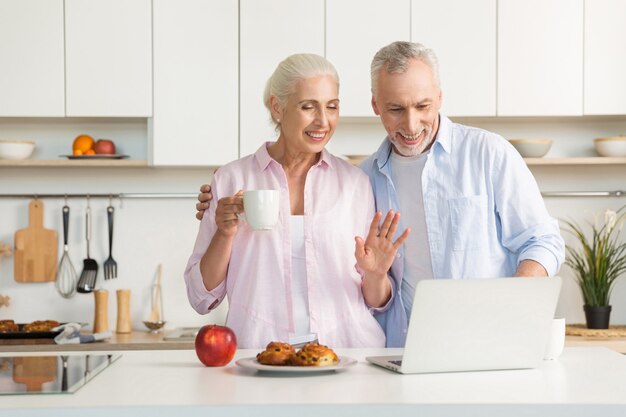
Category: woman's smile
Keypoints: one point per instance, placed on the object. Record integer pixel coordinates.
(316, 136)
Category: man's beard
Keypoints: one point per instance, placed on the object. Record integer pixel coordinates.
(412, 150)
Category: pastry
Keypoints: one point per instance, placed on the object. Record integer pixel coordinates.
(277, 354)
(314, 354)
(40, 326)
(8, 326)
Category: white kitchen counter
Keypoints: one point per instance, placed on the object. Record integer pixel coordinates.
(582, 382)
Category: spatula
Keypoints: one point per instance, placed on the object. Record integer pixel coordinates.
(87, 280)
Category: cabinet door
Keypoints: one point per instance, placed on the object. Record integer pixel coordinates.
(540, 57)
(31, 58)
(355, 31)
(195, 83)
(270, 31)
(605, 57)
(108, 57)
(463, 35)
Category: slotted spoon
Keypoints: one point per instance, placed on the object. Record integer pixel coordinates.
(66, 274)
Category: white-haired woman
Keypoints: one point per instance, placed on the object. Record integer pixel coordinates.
(299, 278)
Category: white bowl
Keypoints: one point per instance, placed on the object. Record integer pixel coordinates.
(532, 148)
(613, 146)
(16, 149)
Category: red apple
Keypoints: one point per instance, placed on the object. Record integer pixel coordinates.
(215, 345)
(105, 147)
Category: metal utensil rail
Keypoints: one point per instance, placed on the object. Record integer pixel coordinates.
(617, 193)
(117, 196)
(122, 196)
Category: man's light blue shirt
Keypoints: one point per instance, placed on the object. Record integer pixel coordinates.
(484, 213)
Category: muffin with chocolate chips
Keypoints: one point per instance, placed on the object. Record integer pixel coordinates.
(314, 354)
(277, 354)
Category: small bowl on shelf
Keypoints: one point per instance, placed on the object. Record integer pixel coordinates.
(614, 146)
(154, 326)
(531, 148)
(16, 149)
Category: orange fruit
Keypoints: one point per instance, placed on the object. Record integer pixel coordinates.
(77, 152)
(90, 152)
(83, 143)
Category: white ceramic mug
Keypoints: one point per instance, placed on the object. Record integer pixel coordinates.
(261, 208)
(556, 340)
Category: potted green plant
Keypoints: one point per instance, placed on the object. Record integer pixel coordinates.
(597, 263)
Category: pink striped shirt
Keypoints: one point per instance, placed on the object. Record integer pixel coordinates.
(338, 205)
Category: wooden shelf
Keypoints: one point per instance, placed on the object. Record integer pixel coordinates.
(593, 160)
(126, 163)
(108, 163)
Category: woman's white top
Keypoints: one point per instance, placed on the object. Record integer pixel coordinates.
(299, 287)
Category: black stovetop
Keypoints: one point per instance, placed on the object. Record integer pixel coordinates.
(53, 374)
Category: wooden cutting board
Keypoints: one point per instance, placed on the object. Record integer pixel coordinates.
(34, 371)
(35, 249)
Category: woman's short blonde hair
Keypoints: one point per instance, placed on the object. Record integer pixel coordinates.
(290, 71)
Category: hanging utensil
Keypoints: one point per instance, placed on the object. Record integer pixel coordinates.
(66, 274)
(110, 266)
(36, 249)
(156, 322)
(87, 281)
(157, 298)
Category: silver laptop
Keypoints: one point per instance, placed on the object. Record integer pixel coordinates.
(477, 325)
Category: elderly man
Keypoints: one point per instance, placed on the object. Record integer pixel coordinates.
(473, 206)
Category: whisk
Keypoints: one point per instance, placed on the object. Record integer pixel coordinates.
(66, 274)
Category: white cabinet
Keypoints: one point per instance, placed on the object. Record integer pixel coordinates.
(540, 57)
(355, 31)
(463, 35)
(605, 57)
(108, 58)
(195, 83)
(31, 58)
(270, 31)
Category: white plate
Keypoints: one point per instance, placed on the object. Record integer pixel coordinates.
(251, 363)
(96, 156)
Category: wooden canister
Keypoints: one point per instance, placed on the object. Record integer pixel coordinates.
(123, 312)
(101, 318)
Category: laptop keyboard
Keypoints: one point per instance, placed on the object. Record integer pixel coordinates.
(399, 363)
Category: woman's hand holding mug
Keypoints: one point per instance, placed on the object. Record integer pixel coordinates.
(226, 214)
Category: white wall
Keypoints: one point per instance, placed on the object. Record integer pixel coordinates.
(149, 232)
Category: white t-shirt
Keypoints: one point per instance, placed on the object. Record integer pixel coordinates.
(406, 174)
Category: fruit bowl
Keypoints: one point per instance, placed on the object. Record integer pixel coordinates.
(614, 146)
(16, 149)
(531, 148)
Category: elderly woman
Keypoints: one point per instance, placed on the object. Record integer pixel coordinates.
(299, 278)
